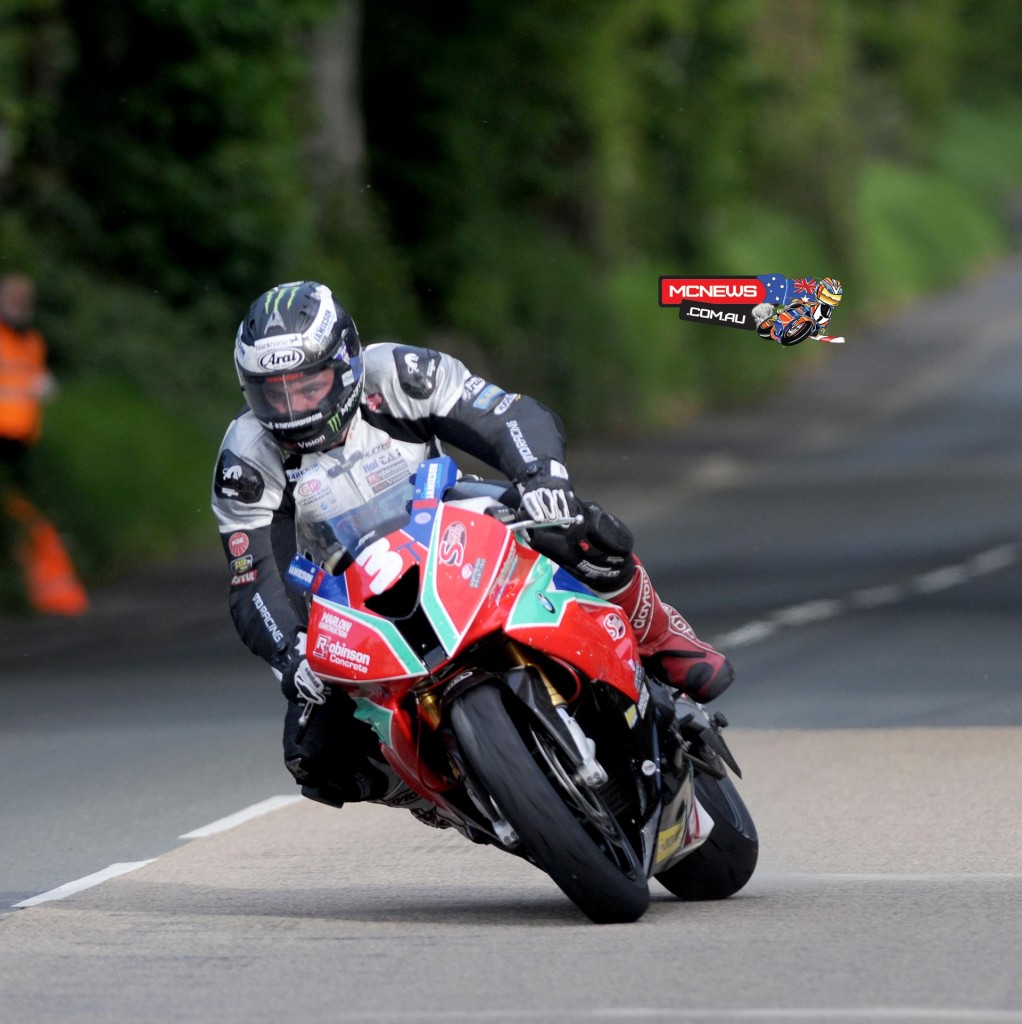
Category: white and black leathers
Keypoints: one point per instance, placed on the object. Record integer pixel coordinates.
(413, 398)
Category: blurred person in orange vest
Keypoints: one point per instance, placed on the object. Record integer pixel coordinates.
(50, 582)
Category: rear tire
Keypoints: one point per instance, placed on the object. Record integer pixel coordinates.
(553, 832)
(725, 862)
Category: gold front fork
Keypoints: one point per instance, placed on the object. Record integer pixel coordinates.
(519, 658)
(429, 702)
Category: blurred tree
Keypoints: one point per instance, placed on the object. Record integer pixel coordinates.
(988, 43)
(906, 63)
(596, 142)
(35, 52)
(802, 142)
(167, 162)
(350, 245)
(181, 142)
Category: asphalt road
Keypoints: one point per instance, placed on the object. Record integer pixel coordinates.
(854, 543)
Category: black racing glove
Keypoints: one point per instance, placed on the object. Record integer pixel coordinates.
(297, 680)
(597, 551)
(547, 492)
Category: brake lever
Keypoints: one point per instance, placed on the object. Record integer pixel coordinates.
(542, 524)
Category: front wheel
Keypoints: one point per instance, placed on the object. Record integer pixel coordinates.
(726, 860)
(581, 846)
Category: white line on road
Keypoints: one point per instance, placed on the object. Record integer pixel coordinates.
(809, 611)
(220, 825)
(878, 876)
(943, 578)
(877, 597)
(68, 888)
(995, 558)
(747, 634)
(239, 817)
(872, 1014)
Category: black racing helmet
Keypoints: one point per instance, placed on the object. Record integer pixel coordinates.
(299, 360)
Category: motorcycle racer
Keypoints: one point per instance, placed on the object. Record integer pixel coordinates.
(783, 324)
(318, 402)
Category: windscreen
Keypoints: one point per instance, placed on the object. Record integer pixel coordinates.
(344, 504)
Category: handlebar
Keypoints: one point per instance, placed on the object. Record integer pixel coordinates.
(542, 524)
(510, 518)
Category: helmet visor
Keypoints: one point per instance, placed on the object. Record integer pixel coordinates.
(299, 401)
(294, 394)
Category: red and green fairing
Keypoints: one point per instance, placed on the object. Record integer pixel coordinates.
(475, 580)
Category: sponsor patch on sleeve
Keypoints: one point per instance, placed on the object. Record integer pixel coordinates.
(417, 370)
(238, 543)
(237, 479)
(243, 564)
(487, 397)
(505, 403)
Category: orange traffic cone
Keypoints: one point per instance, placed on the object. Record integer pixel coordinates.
(51, 583)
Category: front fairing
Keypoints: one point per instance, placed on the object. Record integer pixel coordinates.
(424, 579)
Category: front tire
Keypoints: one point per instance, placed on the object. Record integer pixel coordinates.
(726, 860)
(606, 883)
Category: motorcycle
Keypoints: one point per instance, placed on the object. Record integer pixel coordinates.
(512, 699)
(790, 324)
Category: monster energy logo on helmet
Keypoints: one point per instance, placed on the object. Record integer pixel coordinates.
(275, 295)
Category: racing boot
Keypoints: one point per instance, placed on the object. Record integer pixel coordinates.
(669, 648)
(398, 794)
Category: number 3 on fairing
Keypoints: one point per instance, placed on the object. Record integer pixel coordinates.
(381, 564)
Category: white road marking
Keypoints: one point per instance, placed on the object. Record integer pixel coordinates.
(239, 817)
(941, 579)
(809, 611)
(872, 1014)
(945, 577)
(221, 825)
(876, 597)
(747, 634)
(953, 876)
(994, 559)
(69, 888)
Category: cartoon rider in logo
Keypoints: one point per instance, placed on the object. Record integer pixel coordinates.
(804, 317)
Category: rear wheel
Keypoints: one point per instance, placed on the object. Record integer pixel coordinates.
(564, 825)
(725, 862)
